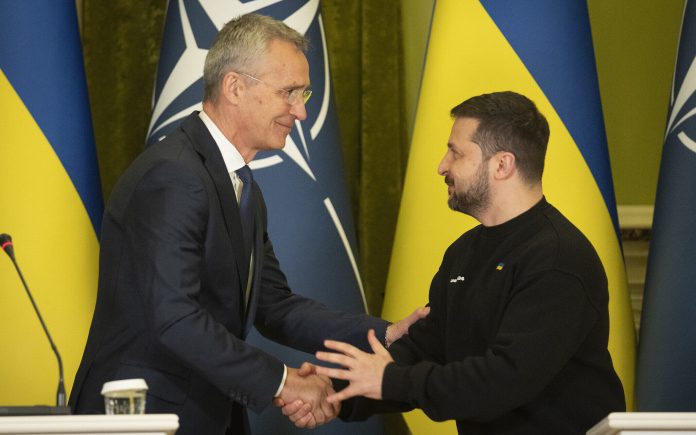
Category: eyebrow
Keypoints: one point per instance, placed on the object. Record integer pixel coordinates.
(292, 88)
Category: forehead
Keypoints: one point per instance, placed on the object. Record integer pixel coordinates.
(463, 131)
(284, 59)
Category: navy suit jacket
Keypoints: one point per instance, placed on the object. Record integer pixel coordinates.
(170, 306)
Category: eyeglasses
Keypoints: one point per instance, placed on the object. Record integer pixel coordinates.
(292, 96)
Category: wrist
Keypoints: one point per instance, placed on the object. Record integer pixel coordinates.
(389, 335)
(282, 381)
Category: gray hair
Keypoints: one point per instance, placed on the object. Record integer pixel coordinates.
(240, 44)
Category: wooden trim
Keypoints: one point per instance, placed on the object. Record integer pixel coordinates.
(635, 216)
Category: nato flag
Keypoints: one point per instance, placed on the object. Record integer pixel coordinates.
(309, 213)
(666, 379)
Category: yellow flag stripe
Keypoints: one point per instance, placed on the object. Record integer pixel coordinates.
(57, 249)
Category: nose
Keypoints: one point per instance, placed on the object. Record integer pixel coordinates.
(298, 110)
(443, 167)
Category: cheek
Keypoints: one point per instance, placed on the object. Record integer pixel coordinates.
(458, 171)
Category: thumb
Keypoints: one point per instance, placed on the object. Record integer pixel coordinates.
(307, 369)
(419, 313)
(375, 344)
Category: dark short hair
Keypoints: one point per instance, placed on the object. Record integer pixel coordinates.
(509, 122)
(240, 44)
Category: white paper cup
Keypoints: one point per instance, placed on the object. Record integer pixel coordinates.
(126, 396)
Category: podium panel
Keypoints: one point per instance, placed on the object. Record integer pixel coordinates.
(147, 424)
(646, 423)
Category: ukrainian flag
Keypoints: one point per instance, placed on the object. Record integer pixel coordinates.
(50, 197)
(541, 49)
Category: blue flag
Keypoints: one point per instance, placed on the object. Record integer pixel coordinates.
(309, 213)
(51, 197)
(666, 379)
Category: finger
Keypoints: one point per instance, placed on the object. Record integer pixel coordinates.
(342, 347)
(300, 413)
(306, 422)
(375, 344)
(336, 407)
(334, 373)
(306, 369)
(419, 313)
(295, 408)
(336, 358)
(278, 402)
(342, 395)
(319, 415)
(328, 410)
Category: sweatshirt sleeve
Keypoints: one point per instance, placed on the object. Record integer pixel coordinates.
(544, 323)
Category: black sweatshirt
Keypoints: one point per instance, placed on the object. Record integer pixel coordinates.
(516, 340)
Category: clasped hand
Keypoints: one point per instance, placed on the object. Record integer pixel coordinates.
(362, 370)
(304, 398)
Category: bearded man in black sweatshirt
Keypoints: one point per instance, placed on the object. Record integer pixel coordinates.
(516, 340)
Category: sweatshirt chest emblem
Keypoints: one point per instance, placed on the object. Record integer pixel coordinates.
(500, 266)
(457, 279)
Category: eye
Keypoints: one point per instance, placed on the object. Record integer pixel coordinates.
(294, 95)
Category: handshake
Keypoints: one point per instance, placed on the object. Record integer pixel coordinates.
(308, 398)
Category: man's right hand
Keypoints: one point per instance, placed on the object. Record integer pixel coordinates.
(304, 398)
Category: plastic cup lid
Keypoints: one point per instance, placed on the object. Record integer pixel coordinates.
(124, 385)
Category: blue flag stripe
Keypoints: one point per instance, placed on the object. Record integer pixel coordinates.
(666, 379)
(561, 59)
(59, 53)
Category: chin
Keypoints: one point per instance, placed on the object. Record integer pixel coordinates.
(274, 145)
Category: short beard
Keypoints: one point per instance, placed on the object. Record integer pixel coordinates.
(476, 198)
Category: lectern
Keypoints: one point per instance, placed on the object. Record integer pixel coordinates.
(646, 423)
(146, 424)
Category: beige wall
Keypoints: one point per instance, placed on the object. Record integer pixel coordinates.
(635, 45)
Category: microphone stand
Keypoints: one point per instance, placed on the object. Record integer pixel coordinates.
(61, 407)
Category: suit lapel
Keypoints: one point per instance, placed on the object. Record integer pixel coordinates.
(212, 159)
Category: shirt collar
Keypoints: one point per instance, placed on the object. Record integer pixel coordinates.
(230, 155)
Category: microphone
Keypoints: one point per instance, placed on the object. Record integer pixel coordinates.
(6, 245)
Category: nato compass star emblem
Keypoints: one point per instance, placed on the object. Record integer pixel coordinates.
(685, 95)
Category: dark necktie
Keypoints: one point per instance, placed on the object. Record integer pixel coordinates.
(246, 207)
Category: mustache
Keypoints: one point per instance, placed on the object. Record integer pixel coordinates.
(448, 180)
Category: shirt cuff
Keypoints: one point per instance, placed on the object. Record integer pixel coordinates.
(282, 381)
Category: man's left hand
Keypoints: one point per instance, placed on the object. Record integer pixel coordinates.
(363, 370)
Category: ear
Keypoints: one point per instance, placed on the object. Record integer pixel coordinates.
(505, 165)
(232, 87)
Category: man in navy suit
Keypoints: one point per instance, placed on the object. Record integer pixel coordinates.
(185, 271)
